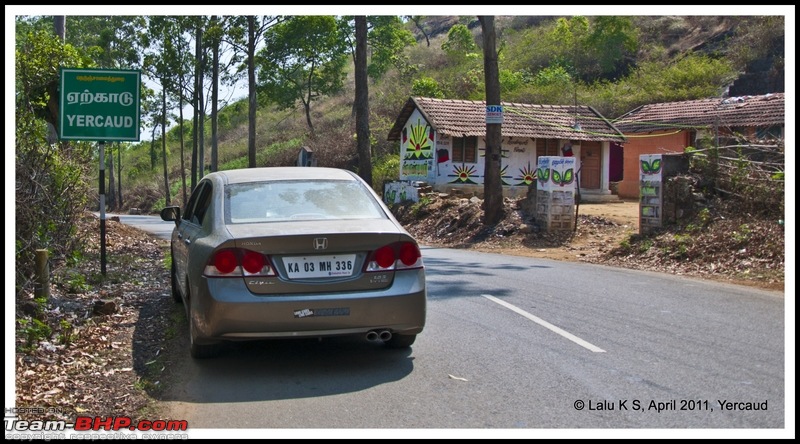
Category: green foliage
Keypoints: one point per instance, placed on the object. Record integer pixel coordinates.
(460, 41)
(682, 242)
(555, 75)
(388, 39)
(303, 59)
(266, 156)
(67, 333)
(32, 330)
(385, 169)
(50, 178)
(73, 282)
(427, 87)
(742, 235)
(692, 77)
(159, 204)
(510, 80)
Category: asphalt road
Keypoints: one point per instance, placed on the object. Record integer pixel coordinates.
(519, 346)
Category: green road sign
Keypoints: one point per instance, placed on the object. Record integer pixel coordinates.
(99, 104)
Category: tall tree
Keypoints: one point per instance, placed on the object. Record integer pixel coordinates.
(303, 59)
(182, 69)
(199, 115)
(164, 143)
(215, 32)
(362, 102)
(493, 210)
(247, 44)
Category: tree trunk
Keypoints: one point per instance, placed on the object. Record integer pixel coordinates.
(201, 116)
(307, 108)
(492, 186)
(362, 102)
(214, 96)
(180, 134)
(152, 144)
(164, 143)
(251, 89)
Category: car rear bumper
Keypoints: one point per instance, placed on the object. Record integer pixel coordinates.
(226, 310)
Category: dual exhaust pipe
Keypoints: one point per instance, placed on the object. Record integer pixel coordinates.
(379, 335)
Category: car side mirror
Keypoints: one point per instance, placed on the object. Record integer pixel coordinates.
(171, 214)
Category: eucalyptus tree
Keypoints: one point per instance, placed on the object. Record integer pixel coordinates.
(244, 34)
(225, 36)
(181, 70)
(163, 63)
(198, 147)
(303, 59)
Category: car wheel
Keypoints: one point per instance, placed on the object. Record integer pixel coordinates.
(401, 341)
(176, 294)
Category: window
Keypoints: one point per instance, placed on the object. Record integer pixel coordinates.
(286, 200)
(769, 132)
(198, 203)
(465, 149)
(547, 147)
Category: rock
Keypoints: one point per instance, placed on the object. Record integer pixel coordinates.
(104, 307)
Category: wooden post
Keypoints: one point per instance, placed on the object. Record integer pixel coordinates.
(41, 288)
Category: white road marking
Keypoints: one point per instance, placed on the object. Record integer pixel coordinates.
(546, 325)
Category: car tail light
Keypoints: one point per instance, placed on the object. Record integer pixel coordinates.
(225, 261)
(253, 263)
(237, 262)
(396, 256)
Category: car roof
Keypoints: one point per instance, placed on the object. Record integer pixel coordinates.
(243, 175)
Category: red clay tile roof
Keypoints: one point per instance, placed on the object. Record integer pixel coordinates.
(460, 118)
(744, 111)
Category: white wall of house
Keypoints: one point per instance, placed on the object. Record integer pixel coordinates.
(421, 160)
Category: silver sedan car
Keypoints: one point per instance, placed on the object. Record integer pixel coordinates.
(292, 252)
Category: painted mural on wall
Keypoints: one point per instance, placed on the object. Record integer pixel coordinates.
(649, 185)
(464, 174)
(555, 173)
(650, 167)
(397, 192)
(527, 175)
(417, 142)
(514, 152)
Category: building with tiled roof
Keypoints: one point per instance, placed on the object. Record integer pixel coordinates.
(670, 127)
(442, 143)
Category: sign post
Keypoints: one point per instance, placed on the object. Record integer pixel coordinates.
(101, 105)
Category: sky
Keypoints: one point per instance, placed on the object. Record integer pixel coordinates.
(68, 9)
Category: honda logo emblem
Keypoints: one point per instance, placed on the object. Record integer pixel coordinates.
(321, 243)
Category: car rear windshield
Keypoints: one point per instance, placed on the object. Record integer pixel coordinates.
(281, 201)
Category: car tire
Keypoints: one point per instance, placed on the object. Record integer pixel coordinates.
(401, 341)
(176, 294)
